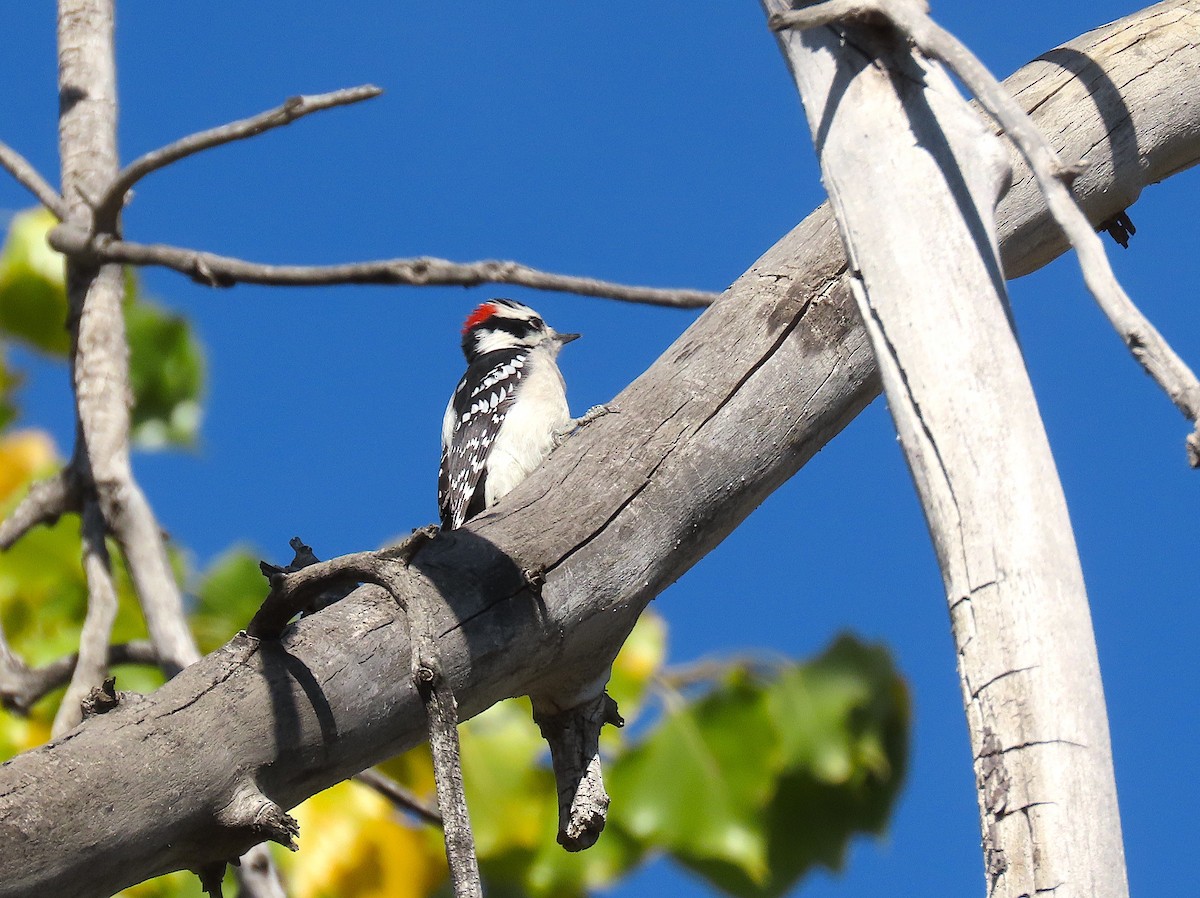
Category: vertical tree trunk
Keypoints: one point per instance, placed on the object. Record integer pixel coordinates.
(914, 177)
(100, 354)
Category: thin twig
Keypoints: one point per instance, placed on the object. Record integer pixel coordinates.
(92, 665)
(1146, 344)
(45, 502)
(442, 711)
(294, 587)
(398, 795)
(29, 178)
(22, 687)
(224, 271)
(131, 521)
(574, 739)
(293, 108)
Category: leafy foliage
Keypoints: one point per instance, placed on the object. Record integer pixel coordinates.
(166, 373)
(746, 798)
(33, 296)
(166, 361)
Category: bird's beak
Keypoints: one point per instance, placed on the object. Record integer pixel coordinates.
(567, 338)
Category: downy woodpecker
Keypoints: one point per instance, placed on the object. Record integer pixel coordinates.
(507, 413)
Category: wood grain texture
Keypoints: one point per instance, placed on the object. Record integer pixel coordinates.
(761, 381)
(914, 177)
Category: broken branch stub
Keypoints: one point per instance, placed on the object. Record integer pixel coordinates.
(574, 739)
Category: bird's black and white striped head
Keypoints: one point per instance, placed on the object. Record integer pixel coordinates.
(508, 324)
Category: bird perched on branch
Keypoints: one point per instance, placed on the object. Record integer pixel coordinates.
(507, 413)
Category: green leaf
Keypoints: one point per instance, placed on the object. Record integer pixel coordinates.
(509, 792)
(765, 776)
(43, 593)
(166, 373)
(33, 296)
(166, 361)
(847, 712)
(229, 593)
(640, 660)
(843, 723)
(698, 784)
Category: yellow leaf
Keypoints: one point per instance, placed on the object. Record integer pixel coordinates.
(18, 734)
(23, 456)
(358, 847)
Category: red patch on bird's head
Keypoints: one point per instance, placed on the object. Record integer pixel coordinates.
(480, 315)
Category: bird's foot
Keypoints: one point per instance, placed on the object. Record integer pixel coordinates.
(596, 411)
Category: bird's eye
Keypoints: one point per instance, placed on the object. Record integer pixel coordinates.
(537, 323)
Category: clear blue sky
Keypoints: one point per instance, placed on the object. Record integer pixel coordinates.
(652, 143)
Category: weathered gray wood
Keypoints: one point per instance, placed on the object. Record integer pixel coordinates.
(87, 129)
(914, 178)
(100, 373)
(747, 395)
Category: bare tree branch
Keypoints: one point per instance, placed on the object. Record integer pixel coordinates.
(21, 687)
(398, 795)
(92, 665)
(224, 271)
(618, 512)
(110, 204)
(295, 586)
(1144, 341)
(441, 710)
(26, 175)
(100, 364)
(46, 501)
(99, 354)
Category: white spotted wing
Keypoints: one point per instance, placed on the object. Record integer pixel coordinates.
(473, 419)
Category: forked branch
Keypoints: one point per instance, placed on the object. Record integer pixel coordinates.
(1149, 348)
(293, 108)
(296, 586)
(21, 687)
(46, 501)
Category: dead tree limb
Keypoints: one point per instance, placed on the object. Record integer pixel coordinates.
(224, 271)
(21, 687)
(1053, 177)
(99, 349)
(290, 110)
(99, 352)
(92, 665)
(915, 177)
(619, 512)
